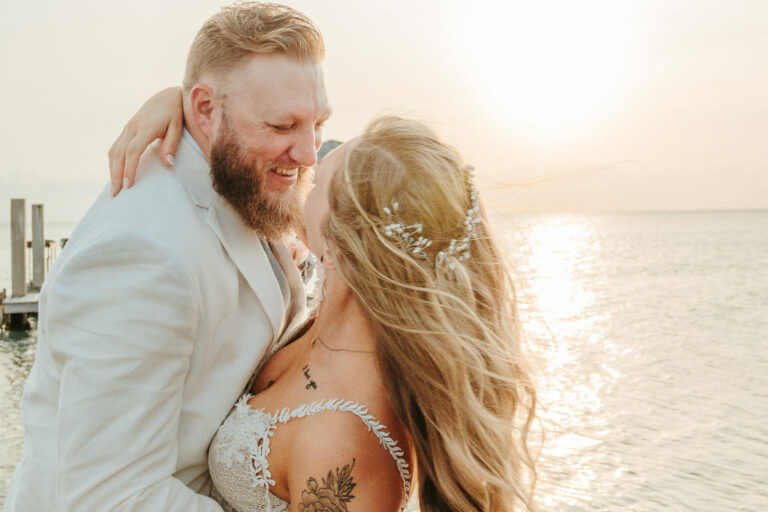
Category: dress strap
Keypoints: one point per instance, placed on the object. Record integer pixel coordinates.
(361, 411)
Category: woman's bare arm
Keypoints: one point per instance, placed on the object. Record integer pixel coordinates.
(161, 117)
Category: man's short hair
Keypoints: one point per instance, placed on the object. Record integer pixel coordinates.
(248, 28)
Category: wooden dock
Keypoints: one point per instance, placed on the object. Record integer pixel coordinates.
(21, 305)
(26, 283)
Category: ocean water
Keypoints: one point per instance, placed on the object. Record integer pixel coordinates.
(649, 333)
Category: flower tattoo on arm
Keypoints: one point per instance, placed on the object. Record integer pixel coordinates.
(334, 493)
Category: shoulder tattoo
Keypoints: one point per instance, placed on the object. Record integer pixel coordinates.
(334, 493)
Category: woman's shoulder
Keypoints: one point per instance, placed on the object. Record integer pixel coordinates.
(347, 455)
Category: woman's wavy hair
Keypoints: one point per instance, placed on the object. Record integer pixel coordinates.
(448, 344)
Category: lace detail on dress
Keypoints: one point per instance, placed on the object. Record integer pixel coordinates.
(238, 458)
(239, 451)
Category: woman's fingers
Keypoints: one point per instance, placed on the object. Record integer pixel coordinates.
(300, 253)
(132, 154)
(124, 158)
(171, 141)
(117, 160)
(127, 150)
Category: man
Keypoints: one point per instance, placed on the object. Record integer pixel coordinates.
(168, 295)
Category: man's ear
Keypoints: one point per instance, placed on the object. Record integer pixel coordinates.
(201, 102)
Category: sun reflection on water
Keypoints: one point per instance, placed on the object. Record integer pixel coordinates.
(557, 262)
(558, 254)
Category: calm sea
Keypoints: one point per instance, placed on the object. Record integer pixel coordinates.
(650, 334)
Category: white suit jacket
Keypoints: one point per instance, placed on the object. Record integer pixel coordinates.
(151, 322)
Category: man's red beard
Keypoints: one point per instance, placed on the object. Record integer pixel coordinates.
(239, 181)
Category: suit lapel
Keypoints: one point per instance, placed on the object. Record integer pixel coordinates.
(245, 250)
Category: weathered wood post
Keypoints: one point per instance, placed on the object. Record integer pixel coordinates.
(3, 317)
(18, 258)
(38, 247)
(18, 247)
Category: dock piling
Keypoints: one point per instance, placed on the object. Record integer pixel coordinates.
(18, 247)
(38, 247)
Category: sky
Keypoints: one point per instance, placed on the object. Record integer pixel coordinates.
(561, 106)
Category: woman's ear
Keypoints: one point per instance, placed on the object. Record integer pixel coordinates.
(327, 260)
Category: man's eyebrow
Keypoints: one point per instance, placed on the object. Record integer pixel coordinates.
(295, 116)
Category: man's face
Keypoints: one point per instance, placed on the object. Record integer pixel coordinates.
(266, 135)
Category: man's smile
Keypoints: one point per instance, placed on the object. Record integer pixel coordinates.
(284, 176)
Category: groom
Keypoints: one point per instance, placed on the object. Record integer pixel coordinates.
(167, 296)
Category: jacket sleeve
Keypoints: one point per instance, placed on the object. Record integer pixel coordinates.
(121, 323)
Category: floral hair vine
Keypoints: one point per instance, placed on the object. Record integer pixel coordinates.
(406, 236)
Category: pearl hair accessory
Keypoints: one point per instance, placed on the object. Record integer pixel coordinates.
(405, 236)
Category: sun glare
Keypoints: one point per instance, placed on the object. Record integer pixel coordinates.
(550, 65)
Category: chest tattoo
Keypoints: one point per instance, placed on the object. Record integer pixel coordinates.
(310, 383)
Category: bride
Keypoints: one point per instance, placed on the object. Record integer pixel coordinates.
(410, 377)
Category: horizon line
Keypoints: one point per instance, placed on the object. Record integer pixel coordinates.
(492, 210)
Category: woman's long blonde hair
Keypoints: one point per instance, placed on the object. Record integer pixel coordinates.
(448, 345)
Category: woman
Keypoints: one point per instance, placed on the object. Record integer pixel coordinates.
(411, 370)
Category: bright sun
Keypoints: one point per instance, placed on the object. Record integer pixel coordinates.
(551, 65)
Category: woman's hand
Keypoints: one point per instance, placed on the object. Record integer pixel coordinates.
(161, 117)
(299, 251)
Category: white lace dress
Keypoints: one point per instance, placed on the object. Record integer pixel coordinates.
(238, 454)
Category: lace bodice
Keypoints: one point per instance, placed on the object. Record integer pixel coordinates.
(238, 454)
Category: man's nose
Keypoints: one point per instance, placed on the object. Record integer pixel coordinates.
(304, 150)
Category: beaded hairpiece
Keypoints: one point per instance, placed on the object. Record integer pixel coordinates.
(406, 236)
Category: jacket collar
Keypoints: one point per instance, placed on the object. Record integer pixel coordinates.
(194, 172)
